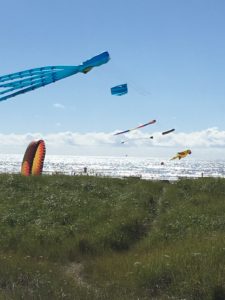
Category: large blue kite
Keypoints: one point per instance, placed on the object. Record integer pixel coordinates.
(25, 81)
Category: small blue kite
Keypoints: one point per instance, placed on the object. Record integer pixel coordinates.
(119, 90)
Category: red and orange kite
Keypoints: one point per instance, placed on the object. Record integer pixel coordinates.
(33, 159)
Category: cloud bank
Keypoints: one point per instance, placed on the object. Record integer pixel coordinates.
(211, 140)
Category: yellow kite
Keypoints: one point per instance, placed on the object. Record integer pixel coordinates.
(181, 154)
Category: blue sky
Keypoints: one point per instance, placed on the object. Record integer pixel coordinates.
(170, 52)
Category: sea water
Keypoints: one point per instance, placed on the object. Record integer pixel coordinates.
(146, 168)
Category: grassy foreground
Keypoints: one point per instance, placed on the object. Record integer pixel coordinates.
(65, 237)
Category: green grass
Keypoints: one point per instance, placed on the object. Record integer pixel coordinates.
(69, 237)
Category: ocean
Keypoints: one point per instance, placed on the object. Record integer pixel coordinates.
(146, 168)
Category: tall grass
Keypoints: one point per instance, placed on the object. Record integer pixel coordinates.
(65, 237)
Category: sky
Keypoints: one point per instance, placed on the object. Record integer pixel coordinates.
(171, 53)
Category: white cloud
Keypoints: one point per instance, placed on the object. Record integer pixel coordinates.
(210, 137)
(59, 105)
(209, 141)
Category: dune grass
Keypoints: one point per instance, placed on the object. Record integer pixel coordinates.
(81, 237)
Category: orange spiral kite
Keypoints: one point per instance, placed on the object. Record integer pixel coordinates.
(33, 159)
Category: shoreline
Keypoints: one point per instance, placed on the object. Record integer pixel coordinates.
(111, 176)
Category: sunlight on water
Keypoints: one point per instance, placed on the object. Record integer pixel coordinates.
(146, 168)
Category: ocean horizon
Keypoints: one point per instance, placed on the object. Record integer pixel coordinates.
(112, 166)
